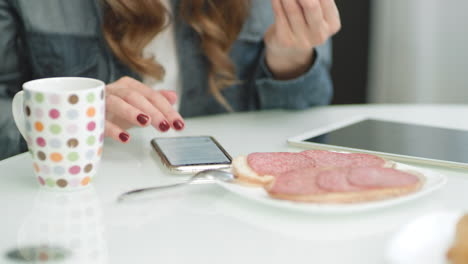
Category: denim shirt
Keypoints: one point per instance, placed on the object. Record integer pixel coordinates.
(46, 38)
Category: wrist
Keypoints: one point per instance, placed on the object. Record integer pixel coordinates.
(289, 66)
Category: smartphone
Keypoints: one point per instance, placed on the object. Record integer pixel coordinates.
(191, 154)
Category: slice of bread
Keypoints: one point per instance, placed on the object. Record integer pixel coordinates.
(351, 197)
(246, 175)
(458, 252)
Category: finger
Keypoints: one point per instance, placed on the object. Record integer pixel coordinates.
(295, 17)
(281, 21)
(171, 96)
(119, 108)
(158, 101)
(313, 13)
(163, 105)
(331, 15)
(128, 82)
(158, 120)
(115, 132)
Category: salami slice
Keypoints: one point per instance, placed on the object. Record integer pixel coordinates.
(328, 159)
(269, 163)
(371, 178)
(297, 182)
(335, 180)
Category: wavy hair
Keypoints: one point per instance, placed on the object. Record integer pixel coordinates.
(129, 26)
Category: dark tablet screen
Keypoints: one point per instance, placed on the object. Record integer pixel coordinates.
(402, 139)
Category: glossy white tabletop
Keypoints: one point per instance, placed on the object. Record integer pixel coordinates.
(205, 223)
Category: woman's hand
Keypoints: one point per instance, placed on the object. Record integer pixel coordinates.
(131, 103)
(300, 26)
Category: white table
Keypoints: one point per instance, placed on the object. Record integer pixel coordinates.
(205, 223)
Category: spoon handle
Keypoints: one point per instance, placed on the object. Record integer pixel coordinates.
(202, 177)
(139, 192)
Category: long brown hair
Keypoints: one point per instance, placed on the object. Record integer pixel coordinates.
(130, 25)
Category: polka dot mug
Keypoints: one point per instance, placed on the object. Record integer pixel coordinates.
(62, 121)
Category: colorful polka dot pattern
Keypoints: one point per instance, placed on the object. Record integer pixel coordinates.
(64, 137)
(62, 183)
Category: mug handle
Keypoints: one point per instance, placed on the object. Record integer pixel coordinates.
(18, 112)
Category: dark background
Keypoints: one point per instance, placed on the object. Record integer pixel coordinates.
(351, 52)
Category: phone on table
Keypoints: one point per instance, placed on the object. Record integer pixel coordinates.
(191, 154)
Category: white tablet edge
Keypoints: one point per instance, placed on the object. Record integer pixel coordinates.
(298, 141)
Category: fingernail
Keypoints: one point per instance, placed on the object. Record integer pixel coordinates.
(142, 119)
(124, 137)
(164, 126)
(178, 125)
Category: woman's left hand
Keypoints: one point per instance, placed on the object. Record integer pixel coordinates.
(300, 26)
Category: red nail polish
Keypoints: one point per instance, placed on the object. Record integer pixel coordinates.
(142, 119)
(179, 125)
(124, 137)
(164, 126)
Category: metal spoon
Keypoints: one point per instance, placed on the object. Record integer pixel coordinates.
(206, 176)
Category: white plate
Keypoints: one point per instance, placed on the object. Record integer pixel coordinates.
(424, 240)
(433, 181)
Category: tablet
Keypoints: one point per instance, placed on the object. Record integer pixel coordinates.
(398, 141)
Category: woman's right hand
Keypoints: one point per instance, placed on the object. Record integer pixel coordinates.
(131, 103)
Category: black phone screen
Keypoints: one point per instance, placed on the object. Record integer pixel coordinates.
(188, 151)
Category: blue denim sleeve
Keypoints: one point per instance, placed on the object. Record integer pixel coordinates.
(11, 142)
(313, 88)
(12, 71)
(11, 78)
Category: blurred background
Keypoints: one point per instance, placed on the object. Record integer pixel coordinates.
(400, 51)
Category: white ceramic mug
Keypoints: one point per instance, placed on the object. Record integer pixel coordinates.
(62, 121)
